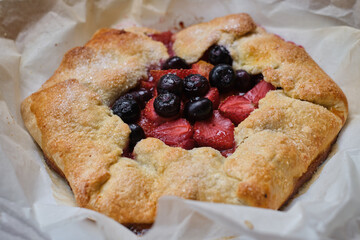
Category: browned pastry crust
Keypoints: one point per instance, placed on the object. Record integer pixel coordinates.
(277, 144)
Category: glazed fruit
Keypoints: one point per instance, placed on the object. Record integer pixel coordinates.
(176, 133)
(136, 134)
(243, 81)
(259, 91)
(196, 85)
(214, 96)
(181, 73)
(222, 77)
(175, 63)
(219, 54)
(199, 109)
(167, 105)
(150, 114)
(170, 83)
(141, 96)
(216, 132)
(127, 109)
(165, 38)
(236, 108)
(202, 68)
(257, 77)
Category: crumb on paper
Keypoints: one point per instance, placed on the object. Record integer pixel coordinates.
(249, 224)
(226, 238)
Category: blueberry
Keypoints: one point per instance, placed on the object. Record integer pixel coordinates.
(175, 63)
(127, 109)
(222, 76)
(141, 96)
(167, 104)
(199, 109)
(257, 78)
(196, 85)
(137, 133)
(219, 54)
(243, 81)
(170, 83)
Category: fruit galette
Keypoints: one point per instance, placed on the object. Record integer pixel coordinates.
(221, 111)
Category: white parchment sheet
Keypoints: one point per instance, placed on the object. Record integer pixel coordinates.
(36, 204)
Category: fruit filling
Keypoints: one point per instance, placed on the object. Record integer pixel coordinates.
(190, 106)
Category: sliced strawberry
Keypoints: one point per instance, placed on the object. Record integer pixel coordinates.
(228, 152)
(202, 68)
(236, 108)
(176, 133)
(149, 85)
(157, 74)
(216, 132)
(165, 38)
(214, 96)
(259, 91)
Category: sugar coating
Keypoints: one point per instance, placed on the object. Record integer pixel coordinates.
(70, 119)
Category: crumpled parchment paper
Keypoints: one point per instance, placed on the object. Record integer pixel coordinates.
(36, 204)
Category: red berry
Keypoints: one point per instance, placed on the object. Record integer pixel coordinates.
(228, 152)
(165, 38)
(236, 108)
(176, 133)
(216, 132)
(149, 85)
(214, 96)
(203, 68)
(146, 124)
(259, 91)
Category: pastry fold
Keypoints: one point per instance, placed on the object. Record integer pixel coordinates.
(278, 144)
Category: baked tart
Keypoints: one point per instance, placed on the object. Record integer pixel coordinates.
(221, 111)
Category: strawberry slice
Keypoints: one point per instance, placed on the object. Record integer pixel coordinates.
(165, 38)
(228, 152)
(202, 68)
(259, 91)
(146, 124)
(236, 108)
(147, 84)
(216, 132)
(176, 133)
(157, 74)
(214, 96)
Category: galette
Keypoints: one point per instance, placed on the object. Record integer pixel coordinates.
(220, 111)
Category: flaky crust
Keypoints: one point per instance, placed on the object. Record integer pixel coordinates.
(111, 63)
(70, 119)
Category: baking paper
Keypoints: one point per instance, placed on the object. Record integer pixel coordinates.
(35, 203)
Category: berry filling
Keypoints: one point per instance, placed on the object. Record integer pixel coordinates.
(190, 106)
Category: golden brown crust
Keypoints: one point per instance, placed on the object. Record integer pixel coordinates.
(288, 66)
(219, 30)
(276, 145)
(70, 120)
(111, 63)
